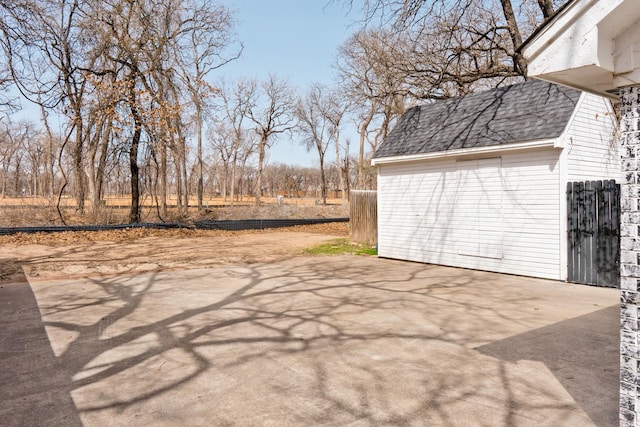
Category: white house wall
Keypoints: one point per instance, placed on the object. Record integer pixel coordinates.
(419, 218)
(591, 144)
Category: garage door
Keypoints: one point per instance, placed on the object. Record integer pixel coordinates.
(479, 208)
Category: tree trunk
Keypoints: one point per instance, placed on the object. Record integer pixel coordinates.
(4, 181)
(200, 166)
(16, 178)
(546, 6)
(34, 191)
(225, 180)
(339, 166)
(345, 172)
(78, 169)
(178, 164)
(163, 178)
(91, 170)
(185, 179)
(323, 179)
(519, 62)
(50, 190)
(102, 163)
(182, 159)
(363, 135)
(261, 154)
(91, 184)
(232, 187)
(134, 214)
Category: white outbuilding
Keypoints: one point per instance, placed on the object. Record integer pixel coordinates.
(480, 181)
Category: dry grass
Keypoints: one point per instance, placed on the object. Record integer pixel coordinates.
(32, 211)
(135, 234)
(271, 211)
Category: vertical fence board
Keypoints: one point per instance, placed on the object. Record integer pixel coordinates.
(363, 215)
(614, 235)
(603, 223)
(572, 231)
(582, 232)
(592, 225)
(593, 232)
(599, 240)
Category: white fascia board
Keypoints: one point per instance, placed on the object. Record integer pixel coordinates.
(564, 20)
(590, 79)
(476, 151)
(592, 45)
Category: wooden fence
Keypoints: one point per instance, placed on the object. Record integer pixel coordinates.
(363, 214)
(593, 229)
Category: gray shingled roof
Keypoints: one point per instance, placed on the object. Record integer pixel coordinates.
(523, 112)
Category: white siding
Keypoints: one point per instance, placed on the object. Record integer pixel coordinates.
(591, 145)
(479, 208)
(427, 213)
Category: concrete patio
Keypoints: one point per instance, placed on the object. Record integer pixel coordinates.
(309, 341)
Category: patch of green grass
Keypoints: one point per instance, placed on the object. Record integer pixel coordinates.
(341, 247)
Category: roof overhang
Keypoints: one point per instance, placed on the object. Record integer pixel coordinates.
(591, 45)
(476, 151)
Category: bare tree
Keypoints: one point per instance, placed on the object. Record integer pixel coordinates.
(122, 73)
(272, 114)
(44, 44)
(21, 155)
(335, 111)
(11, 139)
(464, 41)
(139, 43)
(234, 103)
(411, 50)
(50, 155)
(133, 44)
(234, 149)
(367, 66)
(221, 137)
(202, 49)
(316, 128)
(35, 149)
(320, 114)
(102, 126)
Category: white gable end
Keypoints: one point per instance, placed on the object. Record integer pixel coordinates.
(590, 141)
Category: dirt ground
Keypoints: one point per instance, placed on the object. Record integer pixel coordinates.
(80, 254)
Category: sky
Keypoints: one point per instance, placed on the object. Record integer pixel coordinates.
(294, 39)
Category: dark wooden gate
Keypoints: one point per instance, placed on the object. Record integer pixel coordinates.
(593, 209)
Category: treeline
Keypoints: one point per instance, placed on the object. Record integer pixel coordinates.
(126, 104)
(23, 172)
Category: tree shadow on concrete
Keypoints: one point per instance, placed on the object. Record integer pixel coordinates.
(325, 340)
